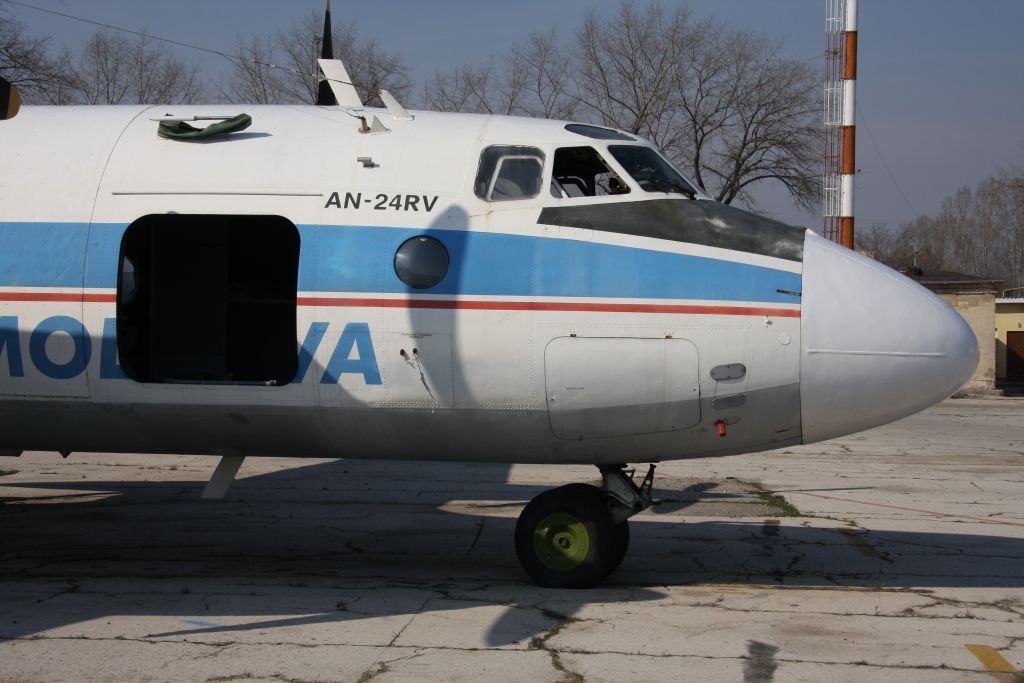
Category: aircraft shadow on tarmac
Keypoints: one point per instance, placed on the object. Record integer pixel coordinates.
(428, 526)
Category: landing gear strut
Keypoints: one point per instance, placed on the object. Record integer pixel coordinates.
(575, 535)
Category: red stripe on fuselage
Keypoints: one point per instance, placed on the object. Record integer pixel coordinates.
(462, 305)
(547, 306)
(59, 296)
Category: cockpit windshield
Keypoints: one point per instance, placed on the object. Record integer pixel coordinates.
(651, 172)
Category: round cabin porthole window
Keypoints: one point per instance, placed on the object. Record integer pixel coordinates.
(421, 262)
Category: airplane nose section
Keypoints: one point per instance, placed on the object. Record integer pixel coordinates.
(877, 346)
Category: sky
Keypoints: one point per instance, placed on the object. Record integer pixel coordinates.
(940, 89)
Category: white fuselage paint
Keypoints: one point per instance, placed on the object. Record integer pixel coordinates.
(474, 372)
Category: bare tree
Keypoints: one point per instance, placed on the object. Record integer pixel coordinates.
(534, 79)
(999, 202)
(724, 103)
(466, 89)
(114, 69)
(727, 105)
(252, 79)
(977, 230)
(372, 67)
(538, 80)
(26, 62)
(707, 92)
(1002, 197)
(770, 124)
(876, 241)
(296, 50)
(627, 68)
(917, 244)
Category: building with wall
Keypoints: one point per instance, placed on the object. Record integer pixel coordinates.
(1010, 337)
(974, 298)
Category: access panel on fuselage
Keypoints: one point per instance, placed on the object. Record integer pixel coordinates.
(613, 386)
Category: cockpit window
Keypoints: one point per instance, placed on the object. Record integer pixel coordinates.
(597, 132)
(508, 172)
(581, 172)
(650, 170)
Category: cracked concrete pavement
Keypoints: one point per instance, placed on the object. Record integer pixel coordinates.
(905, 562)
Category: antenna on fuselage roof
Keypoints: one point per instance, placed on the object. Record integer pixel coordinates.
(336, 86)
(341, 85)
(324, 93)
(397, 111)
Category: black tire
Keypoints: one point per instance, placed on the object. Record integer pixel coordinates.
(565, 538)
(620, 542)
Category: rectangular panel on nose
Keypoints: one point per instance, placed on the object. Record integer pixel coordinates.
(608, 386)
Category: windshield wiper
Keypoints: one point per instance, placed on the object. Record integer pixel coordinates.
(667, 186)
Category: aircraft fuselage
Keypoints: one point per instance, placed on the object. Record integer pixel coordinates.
(458, 287)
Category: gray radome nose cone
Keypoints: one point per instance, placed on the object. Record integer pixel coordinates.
(876, 345)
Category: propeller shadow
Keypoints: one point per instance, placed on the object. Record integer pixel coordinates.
(406, 538)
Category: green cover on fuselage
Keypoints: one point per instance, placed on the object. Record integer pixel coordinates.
(180, 130)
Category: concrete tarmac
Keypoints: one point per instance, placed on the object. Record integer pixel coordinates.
(892, 555)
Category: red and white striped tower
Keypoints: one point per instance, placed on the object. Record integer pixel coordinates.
(848, 166)
(840, 106)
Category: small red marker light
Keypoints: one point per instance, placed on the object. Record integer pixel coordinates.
(720, 426)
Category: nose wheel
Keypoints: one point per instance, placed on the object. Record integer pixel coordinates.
(576, 535)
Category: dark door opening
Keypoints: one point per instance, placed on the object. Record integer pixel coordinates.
(208, 299)
(1015, 356)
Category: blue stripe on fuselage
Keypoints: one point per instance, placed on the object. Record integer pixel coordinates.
(54, 254)
(359, 259)
(42, 254)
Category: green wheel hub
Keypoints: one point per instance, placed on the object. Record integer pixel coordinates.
(561, 541)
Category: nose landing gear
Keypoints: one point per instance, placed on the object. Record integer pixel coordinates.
(575, 535)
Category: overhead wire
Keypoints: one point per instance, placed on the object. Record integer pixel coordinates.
(226, 55)
(885, 164)
(297, 72)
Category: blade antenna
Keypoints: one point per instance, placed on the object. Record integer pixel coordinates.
(324, 93)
